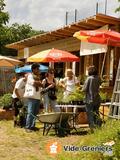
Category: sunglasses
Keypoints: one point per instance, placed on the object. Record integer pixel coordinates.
(51, 72)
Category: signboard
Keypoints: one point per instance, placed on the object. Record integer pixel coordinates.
(91, 48)
(87, 48)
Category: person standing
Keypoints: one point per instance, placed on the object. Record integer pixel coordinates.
(17, 95)
(32, 92)
(69, 83)
(50, 86)
(91, 89)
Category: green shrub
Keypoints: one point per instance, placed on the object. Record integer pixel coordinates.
(60, 96)
(77, 95)
(6, 101)
(82, 79)
(105, 96)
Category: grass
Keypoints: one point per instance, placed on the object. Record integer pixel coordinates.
(16, 144)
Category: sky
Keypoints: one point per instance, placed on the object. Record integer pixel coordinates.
(49, 15)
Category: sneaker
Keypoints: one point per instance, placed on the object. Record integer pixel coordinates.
(35, 129)
(28, 130)
(91, 130)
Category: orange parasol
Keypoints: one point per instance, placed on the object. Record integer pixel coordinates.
(8, 62)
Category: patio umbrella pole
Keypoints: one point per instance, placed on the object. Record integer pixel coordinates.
(103, 64)
(51, 64)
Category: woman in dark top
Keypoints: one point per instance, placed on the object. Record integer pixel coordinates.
(91, 88)
(49, 84)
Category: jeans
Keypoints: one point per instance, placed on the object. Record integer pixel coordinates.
(52, 103)
(32, 111)
(92, 110)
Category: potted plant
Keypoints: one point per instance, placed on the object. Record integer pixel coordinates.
(77, 97)
(103, 96)
(6, 111)
(6, 101)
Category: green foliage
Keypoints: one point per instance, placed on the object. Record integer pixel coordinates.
(19, 32)
(82, 79)
(60, 94)
(6, 101)
(118, 8)
(109, 132)
(105, 96)
(77, 95)
(13, 33)
(4, 16)
(117, 146)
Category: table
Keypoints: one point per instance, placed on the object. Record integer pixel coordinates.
(74, 112)
(71, 106)
(75, 107)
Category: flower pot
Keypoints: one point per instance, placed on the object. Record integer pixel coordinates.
(82, 118)
(6, 114)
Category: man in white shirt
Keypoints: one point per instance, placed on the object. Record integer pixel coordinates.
(17, 95)
(32, 92)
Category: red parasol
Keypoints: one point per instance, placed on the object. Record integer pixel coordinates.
(53, 55)
(107, 37)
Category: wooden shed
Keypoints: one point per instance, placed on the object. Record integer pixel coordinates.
(63, 39)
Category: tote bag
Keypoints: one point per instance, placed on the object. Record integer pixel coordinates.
(30, 91)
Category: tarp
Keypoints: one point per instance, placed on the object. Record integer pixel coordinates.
(27, 68)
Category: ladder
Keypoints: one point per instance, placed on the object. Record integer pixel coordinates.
(114, 111)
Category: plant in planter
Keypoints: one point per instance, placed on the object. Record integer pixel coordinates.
(77, 97)
(82, 79)
(60, 95)
(103, 96)
(6, 101)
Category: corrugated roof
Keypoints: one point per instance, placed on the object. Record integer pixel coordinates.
(93, 22)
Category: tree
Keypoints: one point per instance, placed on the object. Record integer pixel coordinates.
(19, 32)
(4, 16)
(118, 9)
(13, 33)
(16, 33)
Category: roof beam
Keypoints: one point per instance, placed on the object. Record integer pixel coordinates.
(108, 18)
(83, 27)
(62, 32)
(106, 21)
(95, 23)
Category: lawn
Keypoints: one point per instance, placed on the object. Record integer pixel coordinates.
(16, 144)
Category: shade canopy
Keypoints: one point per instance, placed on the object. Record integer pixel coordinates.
(107, 37)
(27, 68)
(8, 62)
(53, 55)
